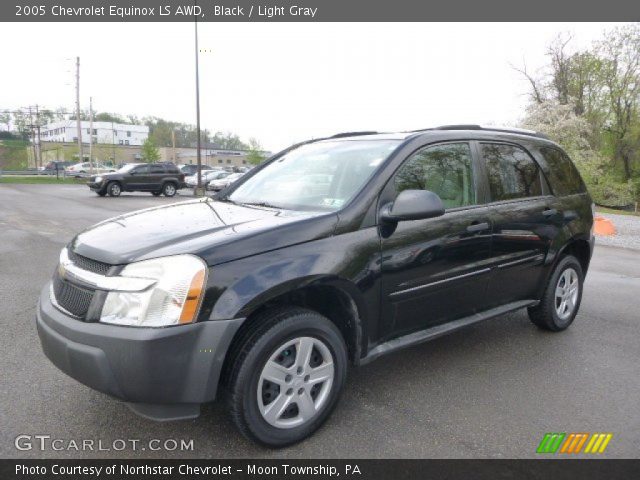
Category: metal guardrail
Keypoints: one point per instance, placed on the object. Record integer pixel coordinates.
(44, 173)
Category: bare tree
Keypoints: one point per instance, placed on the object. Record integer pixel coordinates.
(536, 84)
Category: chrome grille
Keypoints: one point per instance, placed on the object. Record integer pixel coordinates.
(72, 298)
(88, 264)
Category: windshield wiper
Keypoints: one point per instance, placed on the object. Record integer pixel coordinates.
(260, 204)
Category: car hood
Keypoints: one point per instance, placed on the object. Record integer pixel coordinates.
(217, 231)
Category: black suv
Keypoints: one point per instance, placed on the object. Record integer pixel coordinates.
(157, 178)
(271, 289)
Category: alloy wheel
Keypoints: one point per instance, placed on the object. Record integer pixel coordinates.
(567, 290)
(295, 382)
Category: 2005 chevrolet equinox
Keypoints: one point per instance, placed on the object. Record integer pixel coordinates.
(333, 252)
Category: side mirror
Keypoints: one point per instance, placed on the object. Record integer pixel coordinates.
(413, 205)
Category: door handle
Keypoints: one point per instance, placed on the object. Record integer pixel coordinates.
(477, 227)
(549, 212)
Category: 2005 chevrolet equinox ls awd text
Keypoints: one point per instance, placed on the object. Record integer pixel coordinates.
(267, 292)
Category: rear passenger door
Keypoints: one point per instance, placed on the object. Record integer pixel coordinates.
(523, 219)
(156, 176)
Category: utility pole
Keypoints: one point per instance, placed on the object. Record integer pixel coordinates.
(91, 135)
(38, 145)
(199, 186)
(33, 137)
(173, 144)
(78, 123)
(113, 144)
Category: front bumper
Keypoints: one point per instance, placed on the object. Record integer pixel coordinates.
(96, 186)
(164, 373)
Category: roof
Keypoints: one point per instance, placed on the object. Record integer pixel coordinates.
(462, 127)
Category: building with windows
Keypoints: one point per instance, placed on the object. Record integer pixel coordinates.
(103, 133)
(213, 157)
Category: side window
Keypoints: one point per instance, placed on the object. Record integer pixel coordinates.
(564, 176)
(443, 169)
(142, 170)
(512, 172)
(157, 169)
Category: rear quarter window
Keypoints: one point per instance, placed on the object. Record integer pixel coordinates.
(563, 174)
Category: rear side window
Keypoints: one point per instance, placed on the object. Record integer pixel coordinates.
(443, 169)
(156, 168)
(564, 176)
(512, 172)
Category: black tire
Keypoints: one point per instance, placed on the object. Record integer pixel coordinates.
(545, 315)
(250, 355)
(114, 189)
(169, 189)
(156, 194)
(101, 193)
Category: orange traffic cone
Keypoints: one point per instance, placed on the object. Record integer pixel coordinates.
(604, 226)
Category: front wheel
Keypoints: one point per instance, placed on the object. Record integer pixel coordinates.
(102, 193)
(286, 376)
(169, 189)
(561, 300)
(156, 194)
(114, 189)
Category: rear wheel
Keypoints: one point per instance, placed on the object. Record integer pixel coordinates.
(114, 189)
(169, 189)
(286, 376)
(561, 300)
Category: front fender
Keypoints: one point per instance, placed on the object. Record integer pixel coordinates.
(348, 263)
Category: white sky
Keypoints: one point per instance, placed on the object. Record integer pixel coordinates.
(284, 82)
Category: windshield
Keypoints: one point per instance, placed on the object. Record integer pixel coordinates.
(316, 176)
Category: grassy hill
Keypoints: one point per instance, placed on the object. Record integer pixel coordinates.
(13, 154)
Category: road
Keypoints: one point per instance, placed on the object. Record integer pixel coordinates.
(490, 391)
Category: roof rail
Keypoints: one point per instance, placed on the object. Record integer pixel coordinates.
(352, 134)
(520, 131)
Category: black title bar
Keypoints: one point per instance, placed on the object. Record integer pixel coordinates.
(316, 10)
(306, 469)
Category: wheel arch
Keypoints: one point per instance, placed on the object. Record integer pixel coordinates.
(578, 247)
(337, 299)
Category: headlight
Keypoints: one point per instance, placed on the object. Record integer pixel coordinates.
(174, 299)
(98, 180)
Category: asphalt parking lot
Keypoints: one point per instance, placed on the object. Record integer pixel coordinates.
(492, 390)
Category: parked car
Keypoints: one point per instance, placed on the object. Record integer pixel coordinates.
(86, 167)
(157, 178)
(56, 166)
(269, 298)
(217, 185)
(205, 177)
(190, 168)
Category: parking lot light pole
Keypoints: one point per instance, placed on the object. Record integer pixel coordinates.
(199, 189)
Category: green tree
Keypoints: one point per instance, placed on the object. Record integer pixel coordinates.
(5, 118)
(589, 102)
(108, 117)
(150, 152)
(229, 141)
(256, 154)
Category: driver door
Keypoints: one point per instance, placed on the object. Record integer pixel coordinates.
(138, 178)
(437, 269)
